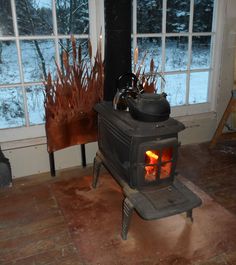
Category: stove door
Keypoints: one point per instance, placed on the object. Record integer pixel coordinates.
(157, 162)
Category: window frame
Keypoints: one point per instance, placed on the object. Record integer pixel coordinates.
(30, 135)
(214, 68)
(95, 25)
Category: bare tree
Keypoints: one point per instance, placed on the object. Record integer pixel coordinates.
(6, 24)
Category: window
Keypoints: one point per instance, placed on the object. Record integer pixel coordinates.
(180, 37)
(33, 34)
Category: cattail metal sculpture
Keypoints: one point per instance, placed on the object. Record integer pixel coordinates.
(70, 98)
(148, 79)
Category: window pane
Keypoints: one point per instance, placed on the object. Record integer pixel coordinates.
(198, 87)
(175, 89)
(37, 59)
(34, 17)
(6, 25)
(176, 53)
(151, 46)
(72, 16)
(11, 108)
(201, 48)
(202, 17)
(9, 70)
(35, 104)
(149, 16)
(177, 15)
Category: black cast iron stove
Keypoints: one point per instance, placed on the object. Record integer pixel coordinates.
(142, 157)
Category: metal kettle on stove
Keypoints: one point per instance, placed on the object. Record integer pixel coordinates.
(149, 107)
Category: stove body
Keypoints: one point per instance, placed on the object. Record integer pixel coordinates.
(144, 154)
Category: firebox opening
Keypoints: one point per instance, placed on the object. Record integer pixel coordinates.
(158, 164)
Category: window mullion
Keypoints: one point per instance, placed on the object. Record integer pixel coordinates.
(96, 22)
(56, 39)
(189, 51)
(135, 42)
(93, 25)
(164, 7)
(14, 19)
(163, 40)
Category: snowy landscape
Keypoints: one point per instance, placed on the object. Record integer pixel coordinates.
(13, 114)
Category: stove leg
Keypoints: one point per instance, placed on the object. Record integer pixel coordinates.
(127, 214)
(189, 215)
(97, 162)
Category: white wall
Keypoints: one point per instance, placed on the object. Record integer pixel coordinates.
(228, 58)
(34, 159)
(199, 128)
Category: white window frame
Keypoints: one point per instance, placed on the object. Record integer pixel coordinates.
(30, 135)
(214, 69)
(36, 133)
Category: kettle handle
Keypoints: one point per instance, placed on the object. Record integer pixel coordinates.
(128, 74)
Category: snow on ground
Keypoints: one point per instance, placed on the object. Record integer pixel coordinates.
(11, 100)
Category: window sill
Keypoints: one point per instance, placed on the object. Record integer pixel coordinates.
(23, 143)
(195, 117)
(17, 144)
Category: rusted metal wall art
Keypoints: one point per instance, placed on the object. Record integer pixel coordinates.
(70, 98)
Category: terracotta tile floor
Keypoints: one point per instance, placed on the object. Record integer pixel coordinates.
(62, 220)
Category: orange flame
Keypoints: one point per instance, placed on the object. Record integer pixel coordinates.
(151, 170)
(151, 155)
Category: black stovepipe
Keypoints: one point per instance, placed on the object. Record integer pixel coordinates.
(117, 44)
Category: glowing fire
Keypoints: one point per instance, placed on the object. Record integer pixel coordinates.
(151, 170)
(151, 155)
(153, 166)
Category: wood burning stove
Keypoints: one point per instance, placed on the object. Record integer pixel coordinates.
(142, 157)
(144, 154)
